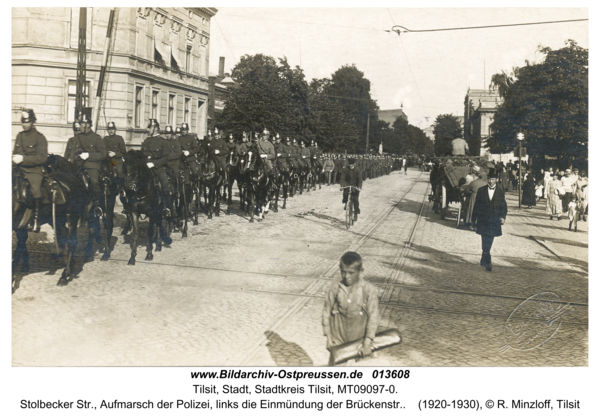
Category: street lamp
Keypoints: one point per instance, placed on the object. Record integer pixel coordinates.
(520, 137)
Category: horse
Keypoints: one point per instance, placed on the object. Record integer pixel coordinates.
(283, 181)
(63, 202)
(212, 179)
(316, 169)
(304, 175)
(232, 174)
(142, 197)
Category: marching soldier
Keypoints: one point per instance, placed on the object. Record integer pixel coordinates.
(89, 151)
(156, 149)
(189, 148)
(69, 147)
(31, 152)
(115, 146)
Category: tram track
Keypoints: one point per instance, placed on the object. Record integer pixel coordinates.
(317, 284)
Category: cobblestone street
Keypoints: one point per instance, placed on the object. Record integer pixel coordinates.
(236, 293)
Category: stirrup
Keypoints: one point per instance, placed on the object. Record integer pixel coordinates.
(98, 211)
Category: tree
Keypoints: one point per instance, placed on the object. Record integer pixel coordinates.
(352, 91)
(548, 102)
(446, 128)
(269, 95)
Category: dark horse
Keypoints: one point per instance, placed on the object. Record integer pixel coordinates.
(260, 186)
(212, 179)
(64, 199)
(232, 174)
(143, 197)
(109, 188)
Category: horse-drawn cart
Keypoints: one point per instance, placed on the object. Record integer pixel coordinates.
(447, 176)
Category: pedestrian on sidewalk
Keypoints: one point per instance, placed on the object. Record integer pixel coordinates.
(504, 179)
(539, 190)
(351, 309)
(529, 192)
(489, 214)
(547, 178)
(554, 204)
(573, 213)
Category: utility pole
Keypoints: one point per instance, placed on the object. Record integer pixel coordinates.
(80, 88)
(520, 137)
(103, 68)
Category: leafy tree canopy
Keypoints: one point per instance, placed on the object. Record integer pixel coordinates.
(445, 129)
(548, 102)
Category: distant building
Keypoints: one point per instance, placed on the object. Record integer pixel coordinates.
(480, 107)
(429, 133)
(219, 87)
(390, 115)
(157, 68)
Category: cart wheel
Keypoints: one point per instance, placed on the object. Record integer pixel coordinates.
(458, 217)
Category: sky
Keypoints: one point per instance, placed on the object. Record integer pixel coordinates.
(426, 73)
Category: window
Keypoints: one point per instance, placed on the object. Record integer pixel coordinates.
(186, 110)
(171, 114)
(72, 93)
(156, 104)
(188, 59)
(138, 102)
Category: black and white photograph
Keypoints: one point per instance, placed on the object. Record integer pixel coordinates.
(299, 187)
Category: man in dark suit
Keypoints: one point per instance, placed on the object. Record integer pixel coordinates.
(489, 214)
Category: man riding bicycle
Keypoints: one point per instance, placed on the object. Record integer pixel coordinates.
(351, 179)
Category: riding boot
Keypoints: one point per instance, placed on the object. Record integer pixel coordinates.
(570, 224)
(36, 222)
(168, 203)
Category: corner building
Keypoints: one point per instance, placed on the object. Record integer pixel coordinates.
(157, 68)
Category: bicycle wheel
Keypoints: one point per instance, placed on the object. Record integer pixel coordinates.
(349, 213)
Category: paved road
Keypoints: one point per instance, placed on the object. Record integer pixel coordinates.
(235, 293)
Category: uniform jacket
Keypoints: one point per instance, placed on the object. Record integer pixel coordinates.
(265, 147)
(156, 150)
(487, 214)
(351, 177)
(116, 144)
(33, 146)
(69, 149)
(174, 147)
(221, 145)
(188, 143)
(241, 149)
(93, 144)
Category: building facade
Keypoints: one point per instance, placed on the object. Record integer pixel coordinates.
(390, 115)
(480, 107)
(157, 68)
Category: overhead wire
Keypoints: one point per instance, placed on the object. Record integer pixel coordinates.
(481, 27)
(408, 63)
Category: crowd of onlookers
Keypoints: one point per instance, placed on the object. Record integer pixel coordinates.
(565, 191)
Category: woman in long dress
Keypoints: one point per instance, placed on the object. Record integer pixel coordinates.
(547, 179)
(529, 191)
(504, 179)
(554, 203)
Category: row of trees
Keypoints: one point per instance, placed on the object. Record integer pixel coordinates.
(333, 111)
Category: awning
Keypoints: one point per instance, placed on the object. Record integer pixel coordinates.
(175, 50)
(159, 45)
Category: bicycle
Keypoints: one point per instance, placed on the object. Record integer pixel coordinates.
(350, 207)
